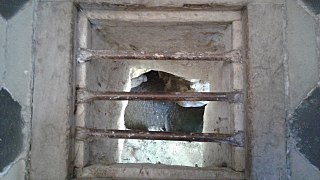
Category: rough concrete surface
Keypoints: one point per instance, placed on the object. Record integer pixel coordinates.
(53, 93)
(266, 99)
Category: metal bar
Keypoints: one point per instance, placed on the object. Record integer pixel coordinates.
(87, 96)
(236, 139)
(85, 55)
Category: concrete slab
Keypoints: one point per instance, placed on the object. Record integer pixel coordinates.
(53, 91)
(266, 99)
(302, 53)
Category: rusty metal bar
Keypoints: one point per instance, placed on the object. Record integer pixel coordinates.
(87, 96)
(236, 139)
(85, 55)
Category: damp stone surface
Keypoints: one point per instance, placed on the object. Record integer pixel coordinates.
(11, 137)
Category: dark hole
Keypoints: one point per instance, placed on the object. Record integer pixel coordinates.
(162, 115)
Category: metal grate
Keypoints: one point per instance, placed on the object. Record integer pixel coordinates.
(85, 96)
(96, 146)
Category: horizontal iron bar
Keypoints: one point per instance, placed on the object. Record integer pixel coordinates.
(87, 96)
(236, 139)
(85, 55)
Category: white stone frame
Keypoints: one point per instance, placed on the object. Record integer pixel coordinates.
(237, 114)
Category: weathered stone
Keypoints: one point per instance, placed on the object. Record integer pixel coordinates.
(266, 98)
(53, 91)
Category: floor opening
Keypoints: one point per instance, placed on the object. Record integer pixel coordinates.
(164, 116)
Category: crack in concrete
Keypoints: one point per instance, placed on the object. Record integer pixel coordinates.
(34, 18)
